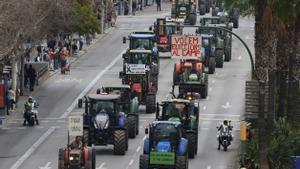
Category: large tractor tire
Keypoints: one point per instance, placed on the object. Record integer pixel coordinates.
(144, 161)
(219, 59)
(150, 103)
(182, 162)
(202, 10)
(61, 158)
(88, 136)
(227, 54)
(132, 126)
(235, 23)
(120, 139)
(192, 18)
(191, 137)
(211, 65)
(91, 160)
(204, 90)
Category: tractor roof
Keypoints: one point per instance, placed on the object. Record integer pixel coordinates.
(176, 101)
(117, 86)
(104, 97)
(140, 51)
(142, 35)
(207, 35)
(175, 123)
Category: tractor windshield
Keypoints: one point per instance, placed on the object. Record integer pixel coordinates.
(165, 132)
(174, 109)
(170, 29)
(138, 58)
(143, 43)
(183, 1)
(102, 106)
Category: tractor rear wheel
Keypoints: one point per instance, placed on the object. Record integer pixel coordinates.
(181, 162)
(150, 103)
(211, 65)
(61, 158)
(144, 161)
(131, 126)
(192, 18)
(219, 59)
(120, 142)
(227, 54)
(204, 89)
(191, 137)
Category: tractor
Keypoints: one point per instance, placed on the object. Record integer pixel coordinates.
(209, 56)
(217, 6)
(129, 105)
(104, 122)
(165, 147)
(204, 21)
(186, 112)
(164, 28)
(141, 74)
(145, 40)
(189, 75)
(185, 9)
(217, 43)
(76, 155)
(204, 6)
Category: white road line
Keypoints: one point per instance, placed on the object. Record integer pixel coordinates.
(138, 149)
(90, 86)
(131, 162)
(47, 166)
(204, 128)
(208, 167)
(28, 153)
(60, 121)
(211, 114)
(207, 98)
(204, 107)
(213, 81)
(145, 137)
(101, 166)
(210, 89)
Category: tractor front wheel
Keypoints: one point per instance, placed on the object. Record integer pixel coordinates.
(132, 126)
(150, 103)
(120, 140)
(181, 162)
(211, 65)
(61, 158)
(219, 59)
(144, 161)
(192, 144)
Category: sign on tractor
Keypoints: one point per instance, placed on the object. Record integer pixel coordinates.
(186, 46)
(135, 68)
(75, 125)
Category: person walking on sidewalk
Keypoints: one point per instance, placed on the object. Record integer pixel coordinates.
(158, 3)
(32, 77)
(81, 39)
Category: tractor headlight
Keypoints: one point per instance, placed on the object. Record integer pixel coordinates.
(101, 121)
(71, 158)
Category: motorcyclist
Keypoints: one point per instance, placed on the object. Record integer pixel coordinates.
(77, 143)
(225, 126)
(28, 106)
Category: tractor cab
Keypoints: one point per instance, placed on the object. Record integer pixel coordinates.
(185, 9)
(209, 20)
(164, 28)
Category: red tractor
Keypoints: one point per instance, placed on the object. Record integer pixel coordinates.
(189, 75)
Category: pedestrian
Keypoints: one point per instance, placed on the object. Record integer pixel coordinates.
(11, 99)
(158, 3)
(27, 55)
(74, 46)
(39, 50)
(133, 7)
(64, 60)
(26, 75)
(32, 77)
(51, 55)
(81, 39)
(126, 8)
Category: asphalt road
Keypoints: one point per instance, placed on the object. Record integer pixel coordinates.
(37, 147)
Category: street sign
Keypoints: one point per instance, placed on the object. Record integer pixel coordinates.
(186, 46)
(75, 125)
(135, 69)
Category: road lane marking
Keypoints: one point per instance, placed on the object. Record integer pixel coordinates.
(91, 85)
(47, 166)
(28, 153)
(208, 167)
(207, 98)
(210, 89)
(131, 162)
(213, 81)
(240, 57)
(204, 107)
(227, 115)
(227, 105)
(138, 149)
(101, 166)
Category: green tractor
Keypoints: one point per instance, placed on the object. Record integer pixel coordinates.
(164, 28)
(189, 75)
(209, 57)
(104, 122)
(204, 6)
(129, 105)
(144, 40)
(185, 9)
(186, 112)
(141, 74)
(165, 147)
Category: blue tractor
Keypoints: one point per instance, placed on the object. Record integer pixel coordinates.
(144, 40)
(104, 123)
(165, 147)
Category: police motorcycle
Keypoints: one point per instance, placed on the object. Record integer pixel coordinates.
(30, 112)
(225, 136)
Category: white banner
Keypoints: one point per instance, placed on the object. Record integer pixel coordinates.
(75, 125)
(135, 69)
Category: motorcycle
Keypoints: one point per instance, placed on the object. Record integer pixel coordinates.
(30, 115)
(224, 137)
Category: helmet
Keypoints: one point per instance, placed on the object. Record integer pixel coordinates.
(30, 99)
(225, 122)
